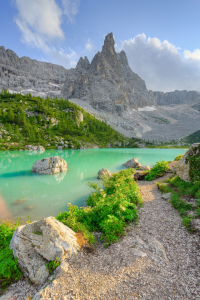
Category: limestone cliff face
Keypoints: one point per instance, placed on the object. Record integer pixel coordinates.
(107, 83)
(23, 73)
(176, 97)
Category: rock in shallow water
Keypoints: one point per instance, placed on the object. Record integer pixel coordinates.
(39, 242)
(132, 163)
(50, 165)
(103, 172)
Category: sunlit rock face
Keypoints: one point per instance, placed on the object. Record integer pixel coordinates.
(29, 75)
(107, 83)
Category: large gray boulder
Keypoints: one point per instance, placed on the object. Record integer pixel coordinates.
(132, 163)
(50, 165)
(103, 173)
(39, 242)
(183, 167)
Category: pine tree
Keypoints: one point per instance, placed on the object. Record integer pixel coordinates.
(10, 115)
(16, 130)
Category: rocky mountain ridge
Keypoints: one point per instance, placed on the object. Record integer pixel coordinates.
(108, 89)
(29, 75)
(107, 83)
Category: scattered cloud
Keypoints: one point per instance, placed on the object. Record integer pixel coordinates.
(71, 9)
(161, 64)
(40, 23)
(41, 17)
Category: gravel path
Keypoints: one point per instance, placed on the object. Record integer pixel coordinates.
(158, 259)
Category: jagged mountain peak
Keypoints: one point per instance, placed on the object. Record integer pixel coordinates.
(109, 84)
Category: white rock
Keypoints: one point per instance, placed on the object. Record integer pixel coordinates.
(132, 163)
(39, 242)
(59, 148)
(166, 196)
(103, 172)
(138, 252)
(50, 165)
(40, 148)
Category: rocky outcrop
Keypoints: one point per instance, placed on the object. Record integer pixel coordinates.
(103, 173)
(132, 163)
(34, 148)
(50, 165)
(108, 83)
(42, 241)
(176, 97)
(183, 167)
(29, 75)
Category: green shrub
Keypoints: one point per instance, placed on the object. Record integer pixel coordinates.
(177, 158)
(164, 188)
(108, 209)
(9, 269)
(158, 170)
(52, 265)
(179, 204)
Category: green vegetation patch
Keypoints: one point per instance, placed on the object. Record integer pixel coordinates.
(179, 188)
(32, 120)
(108, 209)
(158, 170)
(9, 269)
(52, 265)
(194, 163)
(178, 158)
(160, 120)
(192, 138)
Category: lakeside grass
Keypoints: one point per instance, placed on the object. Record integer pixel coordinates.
(179, 188)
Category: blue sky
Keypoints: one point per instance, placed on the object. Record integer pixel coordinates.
(161, 38)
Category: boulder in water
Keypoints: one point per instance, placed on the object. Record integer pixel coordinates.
(132, 163)
(50, 165)
(103, 172)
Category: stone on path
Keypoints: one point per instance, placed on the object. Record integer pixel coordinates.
(138, 252)
(39, 242)
(50, 165)
(166, 196)
(195, 224)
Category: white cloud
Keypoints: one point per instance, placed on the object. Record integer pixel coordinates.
(161, 64)
(42, 16)
(71, 9)
(194, 55)
(40, 22)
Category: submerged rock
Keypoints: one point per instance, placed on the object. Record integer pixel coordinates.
(50, 165)
(132, 163)
(39, 242)
(103, 172)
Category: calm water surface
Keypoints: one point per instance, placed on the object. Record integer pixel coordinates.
(47, 195)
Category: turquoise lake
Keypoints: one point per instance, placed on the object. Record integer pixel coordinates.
(47, 195)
